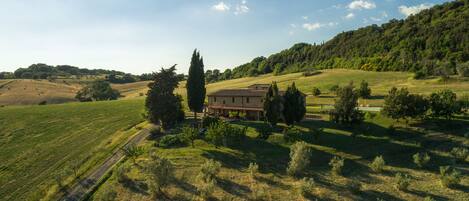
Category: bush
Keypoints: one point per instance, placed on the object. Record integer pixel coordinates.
(209, 170)
(305, 186)
(133, 151)
(337, 163)
(449, 176)
(258, 192)
(225, 134)
(463, 69)
(264, 132)
(419, 75)
(253, 170)
(378, 164)
(421, 159)
(300, 154)
(206, 189)
(316, 91)
(291, 134)
(459, 154)
(168, 141)
(207, 121)
(402, 181)
(42, 103)
(334, 88)
(161, 173)
(189, 135)
(121, 173)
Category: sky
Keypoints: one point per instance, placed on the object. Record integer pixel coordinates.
(141, 36)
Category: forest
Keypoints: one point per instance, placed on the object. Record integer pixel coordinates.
(432, 42)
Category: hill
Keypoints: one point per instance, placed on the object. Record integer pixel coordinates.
(432, 42)
(41, 143)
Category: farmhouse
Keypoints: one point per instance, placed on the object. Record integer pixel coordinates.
(248, 101)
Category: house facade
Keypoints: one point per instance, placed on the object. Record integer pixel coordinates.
(248, 101)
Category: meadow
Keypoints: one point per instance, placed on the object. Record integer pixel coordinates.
(42, 143)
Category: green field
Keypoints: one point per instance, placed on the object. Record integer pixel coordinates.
(39, 142)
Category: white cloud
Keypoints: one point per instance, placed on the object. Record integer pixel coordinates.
(222, 7)
(350, 16)
(312, 26)
(361, 4)
(412, 10)
(305, 17)
(317, 25)
(293, 25)
(242, 8)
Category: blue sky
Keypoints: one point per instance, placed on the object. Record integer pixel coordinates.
(140, 36)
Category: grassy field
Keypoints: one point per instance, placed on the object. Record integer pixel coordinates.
(40, 142)
(358, 145)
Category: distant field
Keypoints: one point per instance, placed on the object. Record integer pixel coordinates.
(38, 141)
(22, 92)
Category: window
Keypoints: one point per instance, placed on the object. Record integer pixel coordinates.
(214, 99)
(223, 101)
(232, 99)
(247, 99)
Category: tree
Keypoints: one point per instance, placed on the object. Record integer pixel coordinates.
(161, 173)
(196, 84)
(463, 69)
(364, 91)
(316, 91)
(294, 107)
(273, 105)
(98, 91)
(400, 104)
(346, 107)
(300, 155)
(190, 134)
(444, 104)
(161, 103)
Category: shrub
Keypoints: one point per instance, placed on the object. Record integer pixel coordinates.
(189, 135)
(378, 164)
(161, 173)
(449, 176)
(209, 170)
(253, 170)
(463, 69)
(402, 181)
(207, 121)
(305, 186)
(419, 75)
(133, 152)
(121, 173)
(300, 155)
(264, 133)
(258, 192)
(291, 134)
(428, 198)
(206, 189)
(168, 141)
(225, 134)
(316, 91)
(334, 88)
(42, 103)
(421, 159)
(337, 163)
(459, 153)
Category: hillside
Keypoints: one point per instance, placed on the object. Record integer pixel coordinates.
(433, 42)
(42, 142)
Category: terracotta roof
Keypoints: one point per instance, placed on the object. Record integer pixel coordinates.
(239, 92)
(235, 108)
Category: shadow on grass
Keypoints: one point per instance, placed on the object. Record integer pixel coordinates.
(375, 195)
(136, 186)
(233, 188)
(426, 194)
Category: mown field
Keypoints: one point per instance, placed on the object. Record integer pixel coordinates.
(41, 143)
(358, 145)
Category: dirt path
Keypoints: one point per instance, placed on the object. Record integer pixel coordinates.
(85, 185)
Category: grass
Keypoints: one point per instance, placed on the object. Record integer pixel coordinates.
(40, 142)
(358, 145)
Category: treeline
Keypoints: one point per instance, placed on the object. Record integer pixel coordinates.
(44, 71)
(433, 42)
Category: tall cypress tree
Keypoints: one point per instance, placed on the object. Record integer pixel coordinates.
(294, 107)
(273, 105)
(196, 84)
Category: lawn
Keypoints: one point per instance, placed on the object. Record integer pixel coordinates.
(358, 145)
(39, 143)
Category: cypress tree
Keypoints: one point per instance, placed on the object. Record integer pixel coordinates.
(272, 105)
(294, 107)
(196, 84)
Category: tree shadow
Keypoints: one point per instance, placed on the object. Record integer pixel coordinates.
(426, 194)
(186, 186)
(232, 187)
(374, 195)
(136, 186)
